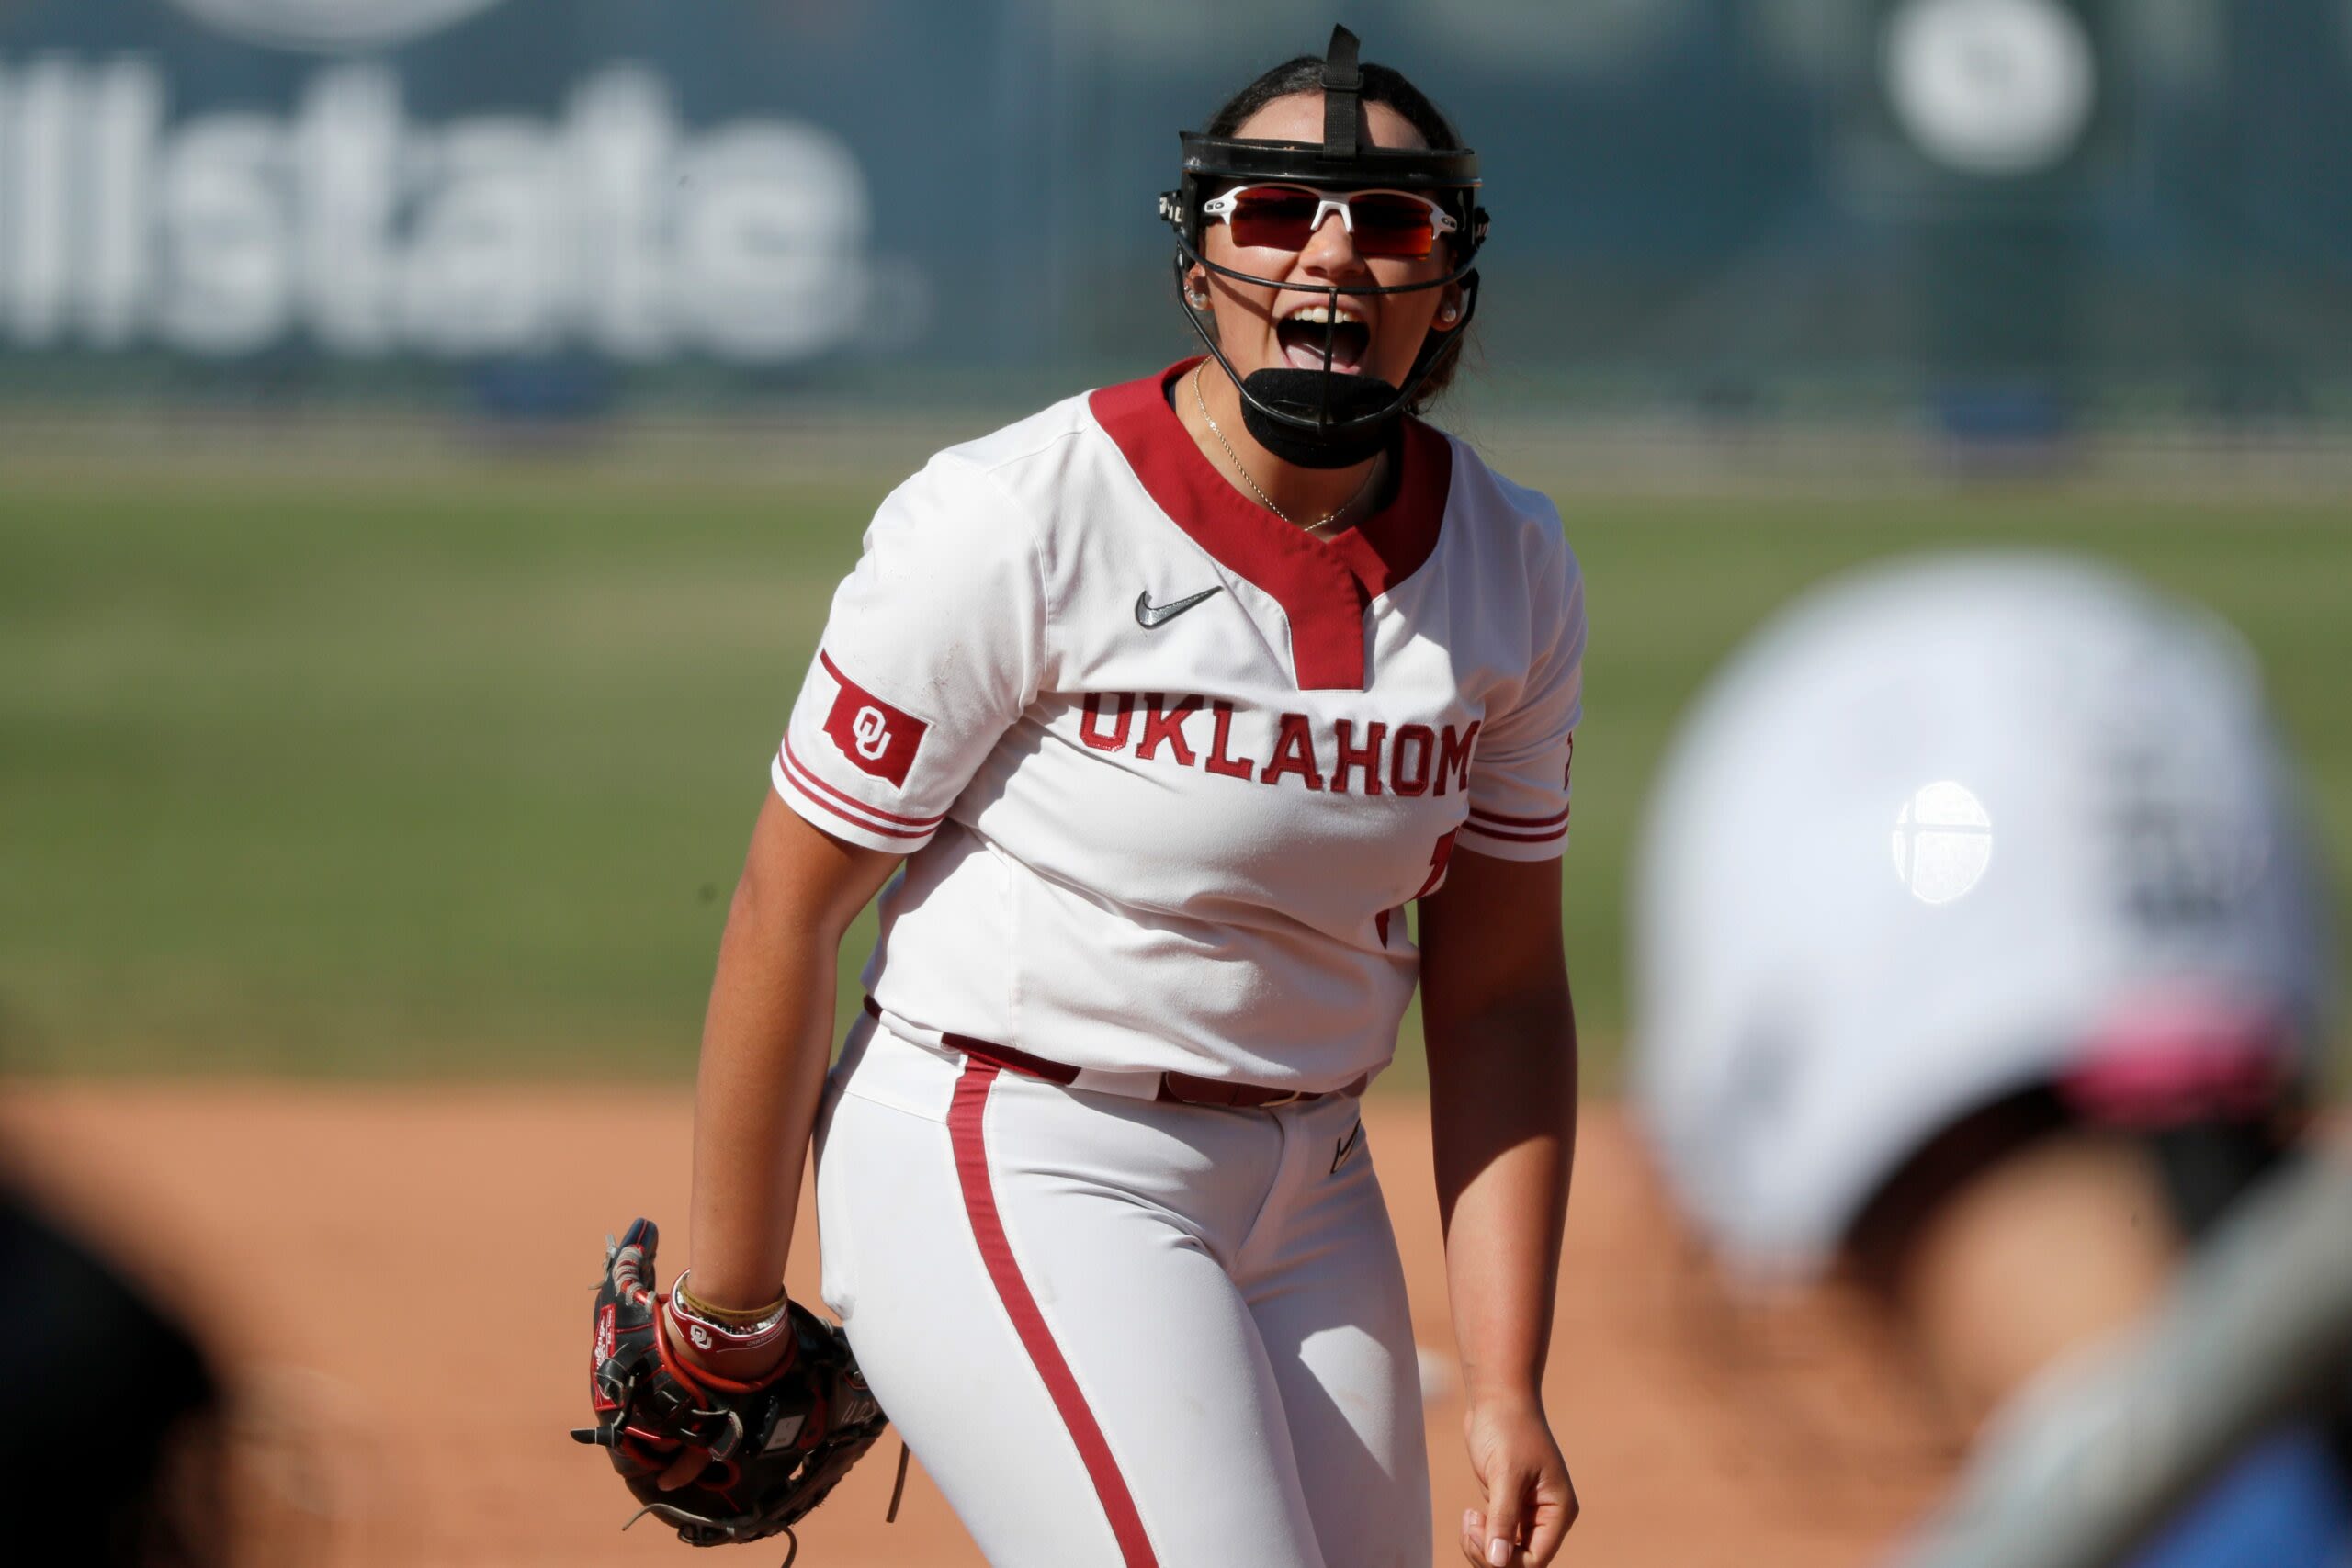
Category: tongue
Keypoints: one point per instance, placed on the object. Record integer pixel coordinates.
(1302, 347)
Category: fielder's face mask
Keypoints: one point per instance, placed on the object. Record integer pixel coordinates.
(1319, 417)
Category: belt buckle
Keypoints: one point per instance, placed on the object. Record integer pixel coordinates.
(1292, 1098)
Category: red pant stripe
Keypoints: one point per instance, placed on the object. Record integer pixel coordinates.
(964, 1129)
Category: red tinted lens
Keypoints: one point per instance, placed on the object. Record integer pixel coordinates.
(1275, 217)
(1390, 225)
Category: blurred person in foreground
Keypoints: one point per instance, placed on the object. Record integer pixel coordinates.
(1980, 958)
(112, 1434)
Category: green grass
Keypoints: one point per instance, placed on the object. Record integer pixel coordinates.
(451, 775)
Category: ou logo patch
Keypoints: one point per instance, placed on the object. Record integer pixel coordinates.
(332, 25)
(876, 737)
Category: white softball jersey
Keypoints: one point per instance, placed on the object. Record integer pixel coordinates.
(1167, 767)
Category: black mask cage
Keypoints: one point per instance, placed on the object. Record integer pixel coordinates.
(1214, 164)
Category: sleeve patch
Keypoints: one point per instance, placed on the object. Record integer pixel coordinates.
(876, 737)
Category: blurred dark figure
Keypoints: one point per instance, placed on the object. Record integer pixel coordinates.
(112, 1434)
(1981, 959)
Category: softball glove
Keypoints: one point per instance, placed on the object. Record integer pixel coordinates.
(776, 1442)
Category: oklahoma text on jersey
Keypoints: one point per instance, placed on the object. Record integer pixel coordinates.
(1294, 755)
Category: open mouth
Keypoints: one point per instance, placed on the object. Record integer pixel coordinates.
(1301, 336)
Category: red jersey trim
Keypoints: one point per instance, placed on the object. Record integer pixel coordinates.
(1323, 585)
(1515, 838)
(808, 783)
(1479, 818)
(966, 1131)
(853, 800)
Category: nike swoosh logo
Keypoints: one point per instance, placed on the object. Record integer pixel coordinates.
(1148, 615)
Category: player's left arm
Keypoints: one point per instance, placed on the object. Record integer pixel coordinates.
(1502, 1053)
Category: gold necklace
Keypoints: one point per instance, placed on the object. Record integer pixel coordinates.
(1321, 522)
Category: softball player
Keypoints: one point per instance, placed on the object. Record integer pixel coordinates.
(1980, 950)
(1163, 704)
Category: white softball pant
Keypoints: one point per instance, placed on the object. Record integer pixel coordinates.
(1120, 1331)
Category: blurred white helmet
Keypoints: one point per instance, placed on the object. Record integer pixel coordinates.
(1943, 833)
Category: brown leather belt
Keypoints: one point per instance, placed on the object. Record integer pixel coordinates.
(1183, 1089)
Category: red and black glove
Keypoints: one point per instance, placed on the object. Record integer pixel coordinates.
(777, 1439)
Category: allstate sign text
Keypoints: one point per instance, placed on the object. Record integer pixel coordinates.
(609, 227)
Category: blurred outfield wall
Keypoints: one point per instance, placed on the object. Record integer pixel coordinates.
(2014, 214)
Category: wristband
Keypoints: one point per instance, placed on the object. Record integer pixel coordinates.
(746, 1351)
(740, 1320)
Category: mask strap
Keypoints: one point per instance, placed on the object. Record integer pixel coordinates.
(1341, 82)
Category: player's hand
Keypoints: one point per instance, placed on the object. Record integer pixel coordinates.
(1530, 1501)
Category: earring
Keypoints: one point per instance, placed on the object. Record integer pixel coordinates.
(1448, 312)
(1197, 299)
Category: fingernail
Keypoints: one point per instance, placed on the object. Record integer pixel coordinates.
(1499, 1551)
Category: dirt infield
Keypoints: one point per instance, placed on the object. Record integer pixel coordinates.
(403, 1275)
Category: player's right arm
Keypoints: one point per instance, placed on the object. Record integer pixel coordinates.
(934, 648)
(766, 1038)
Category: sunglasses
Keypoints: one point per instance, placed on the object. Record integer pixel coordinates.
(1285, 218)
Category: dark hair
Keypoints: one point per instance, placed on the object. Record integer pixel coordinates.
(1382, 85)
(1304, 74)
